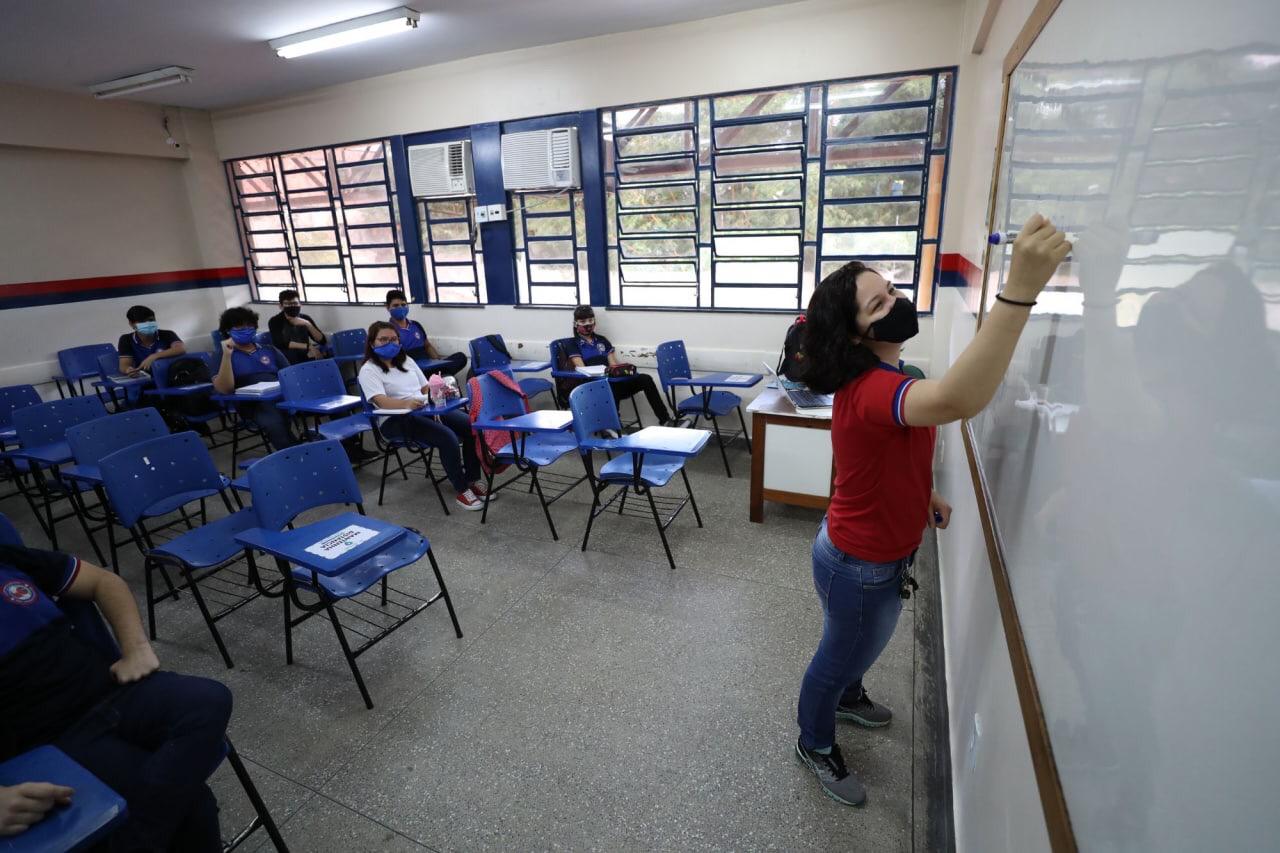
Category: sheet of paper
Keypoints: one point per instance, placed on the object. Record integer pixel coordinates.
(337, 544)
(593, 369)
(739, 377)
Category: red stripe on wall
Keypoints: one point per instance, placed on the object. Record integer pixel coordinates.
(75, 285)
(956, 262)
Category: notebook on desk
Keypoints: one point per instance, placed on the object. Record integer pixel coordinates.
(800, 396)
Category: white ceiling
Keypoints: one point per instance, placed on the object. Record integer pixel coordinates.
(68, 44)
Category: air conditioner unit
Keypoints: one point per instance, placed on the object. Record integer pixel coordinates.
(541, 159)
(443, 169)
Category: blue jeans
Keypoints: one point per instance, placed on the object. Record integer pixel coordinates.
(155, 742)
(860, 605)
(450, 436)
(273, 422)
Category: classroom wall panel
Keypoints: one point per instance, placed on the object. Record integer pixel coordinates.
(86, 231)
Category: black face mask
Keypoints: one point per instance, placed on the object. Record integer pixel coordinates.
(292, 310)
(900, 324)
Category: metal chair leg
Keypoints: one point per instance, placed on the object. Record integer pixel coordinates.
(715, 423)
(653, 507)
(208, 620)
(689, 489)
(346, 652)
(264, 818)
(546, 510)
(444, 592)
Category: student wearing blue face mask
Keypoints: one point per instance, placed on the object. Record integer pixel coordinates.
(413, 337)
(140, 349)
(246, 363)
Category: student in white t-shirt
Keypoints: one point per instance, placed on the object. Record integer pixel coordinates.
(391, 380)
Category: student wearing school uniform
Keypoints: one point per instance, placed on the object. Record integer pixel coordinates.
(246, 363)
(293, 333)
(882, 436)
(154, 737)
(413, 336)
(147, 342)
(392, 380)
(592, 349)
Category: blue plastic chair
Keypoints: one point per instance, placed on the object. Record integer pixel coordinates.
(318, 382)
(14, 397)
(81, 825)
(78, 364)
(593, 413)
(348, 348)
(44, 426)
(528, 453)
(308, 476)
(490, 353)
(95, 439)
(157, 476)
(673, 362)
(217, 337)
(264, 339)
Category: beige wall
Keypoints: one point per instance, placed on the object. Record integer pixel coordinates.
(91, 189)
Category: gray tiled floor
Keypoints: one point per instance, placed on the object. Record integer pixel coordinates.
(598, 700)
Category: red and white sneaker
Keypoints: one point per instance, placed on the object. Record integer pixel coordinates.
(467, 500)
(478, 489)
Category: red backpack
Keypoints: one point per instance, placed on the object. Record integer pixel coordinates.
(495, 440)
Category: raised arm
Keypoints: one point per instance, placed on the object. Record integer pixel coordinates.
(968, 386)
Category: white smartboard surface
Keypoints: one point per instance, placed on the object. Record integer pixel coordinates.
(1133, 453)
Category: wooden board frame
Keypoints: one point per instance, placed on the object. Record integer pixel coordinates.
(1049, 783)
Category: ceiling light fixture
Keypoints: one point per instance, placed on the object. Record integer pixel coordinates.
(141, 82)
(343, 33)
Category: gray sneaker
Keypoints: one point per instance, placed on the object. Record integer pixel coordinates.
(864, 712)
(836, 780)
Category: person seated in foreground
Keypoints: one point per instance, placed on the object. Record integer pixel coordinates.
(390, 379)
(154, 737)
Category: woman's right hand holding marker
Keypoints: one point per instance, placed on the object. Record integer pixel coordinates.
(1037, 253)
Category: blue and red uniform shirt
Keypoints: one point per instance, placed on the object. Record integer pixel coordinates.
(261, 365)
(413, 339)
(49, 677)
(595, 351)
(884, 469)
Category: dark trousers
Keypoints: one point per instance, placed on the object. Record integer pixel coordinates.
(155, 742)
(273, 422)
(627, 388)
(452, 429)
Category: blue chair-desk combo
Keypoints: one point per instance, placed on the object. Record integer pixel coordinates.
(707, 401)
(490, 353)
(538, 439)
(315, 389)
(78, 364)
(96, 810)
(155, 477)
(348, 348)
(42, 436)
(648, 460)
(391, 447)
(568, 378)
(14, 397)
(337, 560)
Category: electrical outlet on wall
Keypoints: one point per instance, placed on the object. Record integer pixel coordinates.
(482, 215)
(497, 212)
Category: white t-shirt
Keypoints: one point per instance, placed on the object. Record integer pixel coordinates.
(399, 384)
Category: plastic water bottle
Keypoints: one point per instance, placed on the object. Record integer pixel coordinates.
(451, 388)
(435, 386)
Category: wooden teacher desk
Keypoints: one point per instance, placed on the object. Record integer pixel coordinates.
(790, 454)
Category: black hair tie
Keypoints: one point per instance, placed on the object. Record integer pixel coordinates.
(1006, 301)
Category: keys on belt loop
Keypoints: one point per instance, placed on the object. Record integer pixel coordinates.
(909, 585)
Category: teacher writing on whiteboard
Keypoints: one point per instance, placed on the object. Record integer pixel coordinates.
(882, 434)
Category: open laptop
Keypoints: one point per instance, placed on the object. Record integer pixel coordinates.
(800, 396)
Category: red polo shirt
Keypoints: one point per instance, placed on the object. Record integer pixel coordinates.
(884, 469)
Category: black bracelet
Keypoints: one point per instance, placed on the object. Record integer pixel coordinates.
(1000, 298)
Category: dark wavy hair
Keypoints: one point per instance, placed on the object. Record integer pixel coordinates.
(370, 355)
(832, 358)
(238, 316)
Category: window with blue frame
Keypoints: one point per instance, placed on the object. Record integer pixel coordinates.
(550, 231)
(322, 221)
(745, 200)
(452, 254)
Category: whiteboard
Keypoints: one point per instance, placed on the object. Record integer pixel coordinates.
(1133, 452)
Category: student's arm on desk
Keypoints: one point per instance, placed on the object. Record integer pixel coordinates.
(224, 381)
